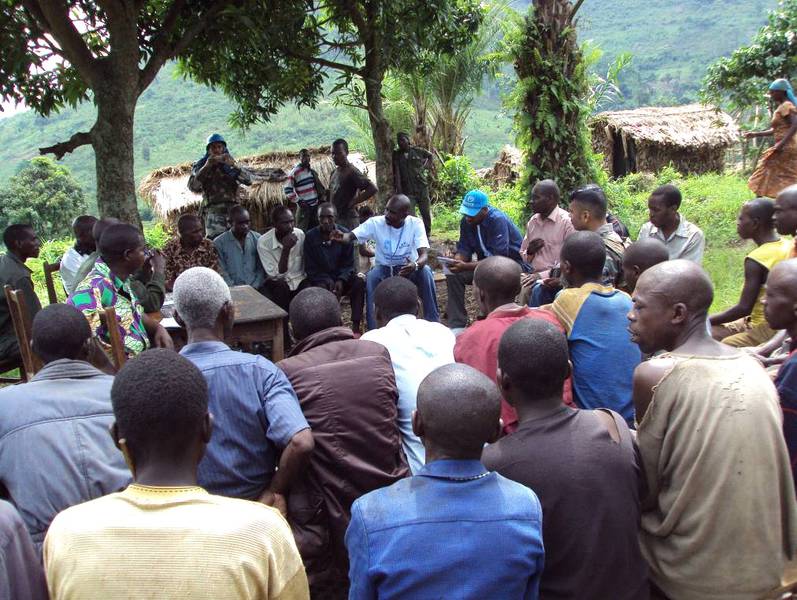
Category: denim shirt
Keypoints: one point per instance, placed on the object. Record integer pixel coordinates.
(55, 447)
(496, 235)
(455, 530)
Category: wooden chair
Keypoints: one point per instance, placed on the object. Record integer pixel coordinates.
(117, 345)
(9, 365)
(31, 363)
(49, 269)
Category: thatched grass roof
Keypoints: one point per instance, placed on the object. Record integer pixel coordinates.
(692, 126)
(166, 189)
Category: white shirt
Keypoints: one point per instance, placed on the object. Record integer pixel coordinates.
(71, 262)
(269, 249)
(393, 246)
(417, 348)
(687, 241)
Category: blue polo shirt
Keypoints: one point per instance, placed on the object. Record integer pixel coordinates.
(454, 530)
(255, 414)
(497, 235)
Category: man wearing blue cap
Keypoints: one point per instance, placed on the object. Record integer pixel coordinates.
(484, 231)
(217, 176)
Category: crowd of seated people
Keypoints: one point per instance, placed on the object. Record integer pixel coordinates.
(595, 433)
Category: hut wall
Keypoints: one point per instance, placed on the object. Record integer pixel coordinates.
(603, 145)
(692, 161)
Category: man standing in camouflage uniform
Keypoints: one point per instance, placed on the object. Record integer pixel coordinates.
(409, 176)
(217, 177)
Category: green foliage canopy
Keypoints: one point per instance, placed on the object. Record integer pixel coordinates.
(45, 195)
(739, 81)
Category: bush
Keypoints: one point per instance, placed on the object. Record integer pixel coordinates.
(456, 177)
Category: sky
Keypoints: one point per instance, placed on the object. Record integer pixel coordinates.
(9, 108)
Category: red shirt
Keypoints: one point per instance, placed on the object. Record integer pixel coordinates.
(477, 347)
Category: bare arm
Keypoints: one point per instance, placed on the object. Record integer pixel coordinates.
(755, 275)
(646, 377)
(292, 462)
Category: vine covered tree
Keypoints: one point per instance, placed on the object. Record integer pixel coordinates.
(55, 53)
(43, 194)
(551, 96)
(360, 41)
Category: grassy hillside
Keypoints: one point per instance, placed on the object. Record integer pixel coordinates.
(672, 44)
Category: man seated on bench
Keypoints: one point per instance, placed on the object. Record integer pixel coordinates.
(401, 249)
(331, 266)
(21, 243)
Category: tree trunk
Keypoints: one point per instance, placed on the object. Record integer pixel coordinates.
(112, 140)
(380, 130)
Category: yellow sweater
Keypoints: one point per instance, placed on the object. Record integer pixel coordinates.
(150, 542)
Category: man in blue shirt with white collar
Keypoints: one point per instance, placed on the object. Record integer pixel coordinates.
(261, 440)
(454, 530)
(484, 231)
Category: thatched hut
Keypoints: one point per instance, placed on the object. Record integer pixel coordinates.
(693, 138)
(166, 189)
(506, 170)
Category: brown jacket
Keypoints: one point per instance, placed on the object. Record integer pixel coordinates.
(347, 391)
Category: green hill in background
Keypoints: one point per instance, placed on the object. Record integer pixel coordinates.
(672, 44)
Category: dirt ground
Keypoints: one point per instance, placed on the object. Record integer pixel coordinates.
(442, 300)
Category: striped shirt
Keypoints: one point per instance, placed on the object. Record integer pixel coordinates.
(301, 186)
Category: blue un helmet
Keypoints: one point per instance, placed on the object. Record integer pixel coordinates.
(216, 137)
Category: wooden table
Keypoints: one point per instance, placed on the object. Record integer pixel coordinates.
(257, 319)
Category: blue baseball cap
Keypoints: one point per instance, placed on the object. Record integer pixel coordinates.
(473, 202)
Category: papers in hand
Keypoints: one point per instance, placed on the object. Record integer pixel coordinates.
(444, 262)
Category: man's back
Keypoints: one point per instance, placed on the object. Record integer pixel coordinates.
(587, 481)
(416, 348)
(182, 542)
(454, 530)
(477, 347)
(55, 449)
(721, 511)
(255, 412)
(347, 391)
(603, 355)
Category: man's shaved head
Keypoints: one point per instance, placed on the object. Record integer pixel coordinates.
(762, 209)
(585, 253)
(458, 411)
(780, 301)
(786, 211)
(680, 281)
(533, 356)
(640, 256)
(498, 281)
(669, 298)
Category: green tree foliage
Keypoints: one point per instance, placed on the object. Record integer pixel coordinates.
(550, 97)
(442, 88)
(54, 54)
(45, 195)
(360, 41)
(739, 81)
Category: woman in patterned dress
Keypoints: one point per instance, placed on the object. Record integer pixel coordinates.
(777, 168)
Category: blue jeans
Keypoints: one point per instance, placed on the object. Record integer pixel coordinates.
(423, 280)
(542, 295)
